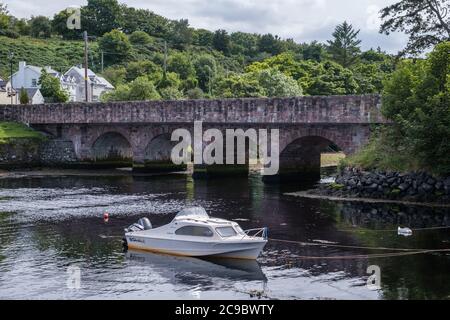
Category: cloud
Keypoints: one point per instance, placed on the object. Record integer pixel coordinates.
(302, 20)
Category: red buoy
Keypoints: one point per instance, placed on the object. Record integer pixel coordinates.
(106, 217)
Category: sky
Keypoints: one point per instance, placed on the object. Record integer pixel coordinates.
(301, 20)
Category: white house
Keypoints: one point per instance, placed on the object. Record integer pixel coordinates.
(5, 93)
(28, 76)
(72, 81)
(96, 85)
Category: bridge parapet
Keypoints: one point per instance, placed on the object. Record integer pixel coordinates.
(360, 109)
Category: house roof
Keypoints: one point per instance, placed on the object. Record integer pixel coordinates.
(39, 70)
(3, 85)
(94, 78)
(31, 92)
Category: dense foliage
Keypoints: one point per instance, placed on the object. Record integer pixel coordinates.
(416, 97)
(183, 62)
(51, 88)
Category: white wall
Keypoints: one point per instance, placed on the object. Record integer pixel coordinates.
(25, 77)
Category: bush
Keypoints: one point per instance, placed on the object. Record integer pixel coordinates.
(10, 34)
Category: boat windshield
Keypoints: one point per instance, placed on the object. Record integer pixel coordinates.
(197, 212)
(226, 232)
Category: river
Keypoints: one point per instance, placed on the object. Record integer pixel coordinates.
(51, 226)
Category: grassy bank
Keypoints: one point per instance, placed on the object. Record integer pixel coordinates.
(331, 159)
(11, 131)
(57, 53)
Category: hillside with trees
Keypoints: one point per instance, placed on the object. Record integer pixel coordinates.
(147, 56)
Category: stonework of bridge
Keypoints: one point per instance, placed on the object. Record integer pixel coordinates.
(140, 132)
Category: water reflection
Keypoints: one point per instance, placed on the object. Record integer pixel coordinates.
(48, 224)
(172, 267)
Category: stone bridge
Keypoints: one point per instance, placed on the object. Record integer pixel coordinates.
(139, 133)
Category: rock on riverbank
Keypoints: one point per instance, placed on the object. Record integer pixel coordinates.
(413, 186)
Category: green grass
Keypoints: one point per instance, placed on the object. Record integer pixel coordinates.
(331, 159)
(383, 152)
(13, 130)
(54, 52)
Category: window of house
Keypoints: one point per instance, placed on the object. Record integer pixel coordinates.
(33, 82)
(195, 231)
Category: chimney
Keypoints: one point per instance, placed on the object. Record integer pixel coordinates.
(22, 65)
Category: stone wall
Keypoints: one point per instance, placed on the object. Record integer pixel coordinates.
(316, 109)
(26, 153)
(414, 186)
(56, 152)
(20, 153)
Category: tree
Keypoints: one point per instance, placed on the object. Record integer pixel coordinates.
(314, 51)
(181, 34)
(144, 20)
(140, 89)
(101, 16)
(116, 47)
(202, 37)
(21, 26)
(369, 77)
(171, 93)
(277, 84)
(4, 18)
(344, 48)
(195, 93)
(206, 69)
(115, 74)
(40, 27)
(270, 44)
(239, 86)
(417, 98)
(180, 63)
(330, 78)
(140, 68)
(426, 22)
(140, 38)
(23, 96)
(244, 43)
(221, 41)
(51, 88)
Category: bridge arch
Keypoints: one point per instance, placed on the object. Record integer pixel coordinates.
(157, 154)
(112, 148)
(301, 150)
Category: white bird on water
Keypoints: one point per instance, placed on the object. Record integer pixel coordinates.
(404, 231)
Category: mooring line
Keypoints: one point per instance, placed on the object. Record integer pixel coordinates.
(368, 256)
(352, 247)
(405, 251)
(393, 230)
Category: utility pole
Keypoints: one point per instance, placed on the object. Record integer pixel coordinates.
(11, 56)
(165, 57)
(102, 61)
(85, 35)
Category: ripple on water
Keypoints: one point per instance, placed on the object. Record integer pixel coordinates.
(31, 204)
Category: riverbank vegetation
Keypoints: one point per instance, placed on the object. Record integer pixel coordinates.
(416, 98)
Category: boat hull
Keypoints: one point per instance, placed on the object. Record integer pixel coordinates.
(246, 249)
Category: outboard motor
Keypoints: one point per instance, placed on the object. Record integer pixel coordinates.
(145, 223)
(141, 225)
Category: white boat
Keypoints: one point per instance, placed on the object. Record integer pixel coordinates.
(193, 233)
